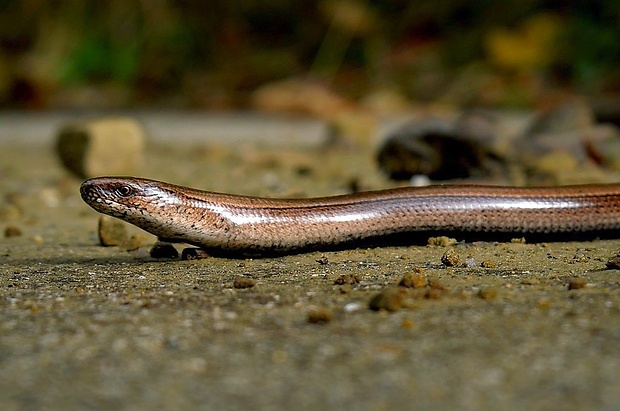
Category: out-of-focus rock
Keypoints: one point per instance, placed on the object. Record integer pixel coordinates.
(562, 144)
(109, 146)
(111, 231)
(162, 249)
(566, 138)
(570, 116)
(441, 149)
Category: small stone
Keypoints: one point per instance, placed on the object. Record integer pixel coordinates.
(441, 241)
(194, 254)
(414, 279)
(433, 294)
(241, 282)
(613, 263)
(162, 249)
(580, 258)
(407, 324)
(439, 148)
(347, 279)
(111, 231)
(520, 240)
(389, 299)
(106, 146)
(488, 264)
(470, 262)
(487, 293)
(323, 260)
(451, 259)
(134, 242)
(12, 231)
(318, 315)
(576, 284)
(436, 284)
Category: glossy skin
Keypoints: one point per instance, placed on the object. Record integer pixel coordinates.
(260, 225)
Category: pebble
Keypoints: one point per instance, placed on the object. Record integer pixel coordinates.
(134, 242)
(433, 294)
(488, 264)
(104, 146)
(436, 284)
(111, 231)
(12, 231)
(323, 260)
(487, 293)
(613, 263)
(451, 259)
(347, 279)
(192, 253)
(351, 307)
(389, 299)
(162, 249)
(440, 148)
(414, 279)
(577, 284)
(318, 315)
(441, 241)
(241, 282)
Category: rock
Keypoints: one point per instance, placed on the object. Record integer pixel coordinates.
(347, 279)
(12, 231)
(451, 259)
(413, 279)
(576, 284)
(487, 293)
(111, 231)
(613, 263)
(107, 146)
(134, 242)
(162, 249)
(241, 282)
(192, 253)
(318, 315)
(441, 241)
(441, 149)
(389, 299)
(569, 116)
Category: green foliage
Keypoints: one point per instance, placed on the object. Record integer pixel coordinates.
(98, 59)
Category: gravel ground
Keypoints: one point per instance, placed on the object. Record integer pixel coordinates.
(522, 326)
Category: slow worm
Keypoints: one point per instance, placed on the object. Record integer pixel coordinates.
(253, 225)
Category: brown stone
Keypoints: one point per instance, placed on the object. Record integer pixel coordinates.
(107, 146)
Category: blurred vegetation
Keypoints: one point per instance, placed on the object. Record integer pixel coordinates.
(190, 53)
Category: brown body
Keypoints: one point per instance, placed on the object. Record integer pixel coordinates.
(256, 225)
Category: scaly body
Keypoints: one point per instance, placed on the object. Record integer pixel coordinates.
(243, 224)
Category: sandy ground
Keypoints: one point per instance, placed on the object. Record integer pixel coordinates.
(90, 327)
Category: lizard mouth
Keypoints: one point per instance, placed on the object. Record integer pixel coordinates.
(90, 192)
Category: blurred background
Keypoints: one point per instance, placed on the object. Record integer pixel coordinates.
(246, 54)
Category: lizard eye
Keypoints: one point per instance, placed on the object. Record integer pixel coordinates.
(124, 191)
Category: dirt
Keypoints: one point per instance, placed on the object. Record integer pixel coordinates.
(515, 326)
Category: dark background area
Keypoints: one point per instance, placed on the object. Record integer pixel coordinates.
(214, 55)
